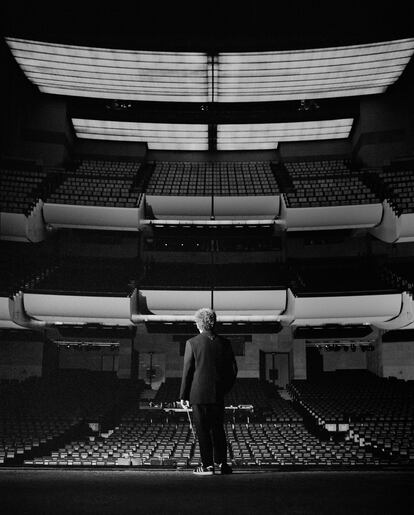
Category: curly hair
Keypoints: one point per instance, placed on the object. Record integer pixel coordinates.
(205, 318)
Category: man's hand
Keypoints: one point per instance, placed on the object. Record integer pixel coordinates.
(184, 404)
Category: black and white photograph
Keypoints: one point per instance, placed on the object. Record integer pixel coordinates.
(207, 259)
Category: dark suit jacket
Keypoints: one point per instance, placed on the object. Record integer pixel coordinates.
(209, 370)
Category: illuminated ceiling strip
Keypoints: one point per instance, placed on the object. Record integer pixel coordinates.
(340, 122)
(60, 51)
(313, 73)
(247, 146)
(268, 135)
(366, 50)
(171, 97)
(160, 136)
(111, 73)
(188, 76)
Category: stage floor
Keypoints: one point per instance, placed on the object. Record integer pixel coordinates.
(124, 492)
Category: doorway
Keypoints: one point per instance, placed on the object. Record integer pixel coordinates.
(275, 368)
(152, 369)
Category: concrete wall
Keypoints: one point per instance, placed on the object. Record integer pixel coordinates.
(110, 149)
(20, 359)
(308, 149)
(398, 360)
(96, 360)
(384, 131)
(344, 360)
(248, 364)
(374, 359)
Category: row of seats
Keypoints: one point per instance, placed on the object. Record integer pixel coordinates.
(314, 168)
(394, 436)
(351, 275)
(179, 275)
(400, 187)
(21, 189)
(158, 437)
(122, 275)
(96, 191)
(329, 191)
(87, 275)
(99, 167)
(311, 183)
(231, 178)
(249, 445)
(342, 397)
(246, 391)
(37, 415)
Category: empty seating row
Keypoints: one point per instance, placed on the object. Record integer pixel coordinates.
(329, 191)
(155, 444)
(316, 167)
(232, 178)
(87, 276)
(399, 185)
(355, 396)
(37, 415)
(106, 167)
(204, 275)
(95, 192)
(393, 436)
(330, 275)
(21, 189)
(83, 275)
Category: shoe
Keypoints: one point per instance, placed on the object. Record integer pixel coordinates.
(224, 468)
(204, 471)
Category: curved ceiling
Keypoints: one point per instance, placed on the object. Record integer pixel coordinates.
(221, 31)
(213, 27)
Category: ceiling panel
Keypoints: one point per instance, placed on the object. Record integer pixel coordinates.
(309, 74)
(158, 136)
(112, 73)
(93, 72)
(268, 135)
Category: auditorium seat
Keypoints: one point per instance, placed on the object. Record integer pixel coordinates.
(325, 276)
(87, 275)
(22, 186)
(378, 412)
(93, 182)
(321, 183)
(156, 437)
(212, 178)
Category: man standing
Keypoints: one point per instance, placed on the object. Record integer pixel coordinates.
(209, 372)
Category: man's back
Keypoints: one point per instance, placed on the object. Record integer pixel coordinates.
(209, 369)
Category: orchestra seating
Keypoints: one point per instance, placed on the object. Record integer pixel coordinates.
(31, 419)
(212, 178)
(99, 183)
(37, 415)
(160, 437)
(377, 413)
(168, 392)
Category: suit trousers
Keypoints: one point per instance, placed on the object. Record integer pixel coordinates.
(209, 424)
